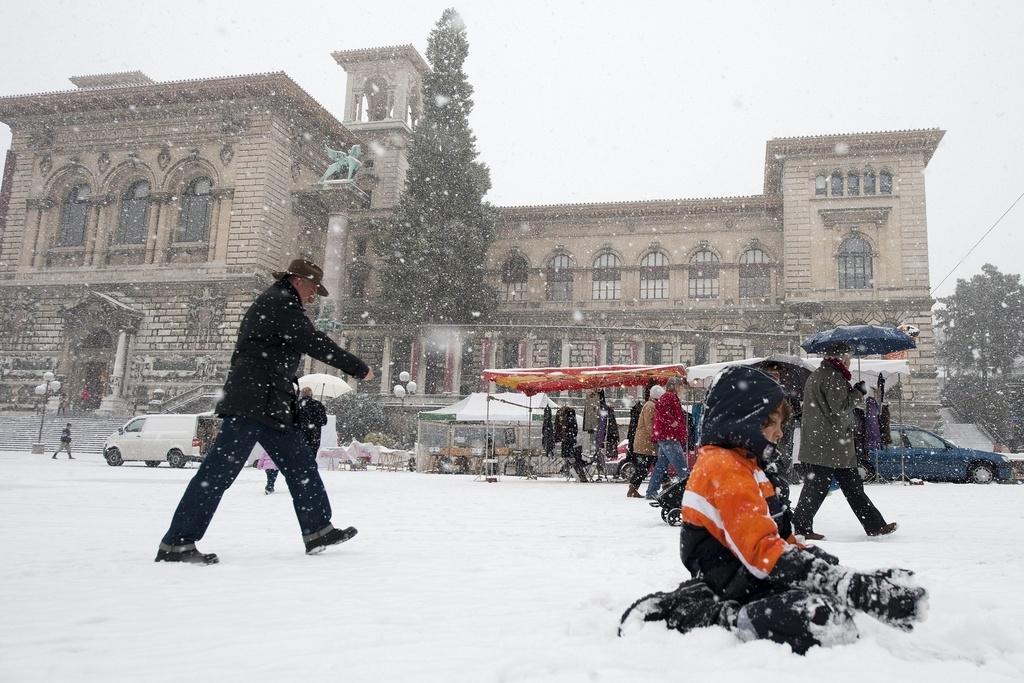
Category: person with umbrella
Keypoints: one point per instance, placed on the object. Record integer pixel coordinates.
(312, 416)
(827, 446)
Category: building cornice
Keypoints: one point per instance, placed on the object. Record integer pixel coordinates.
(754, 204)
(388, 53)
(777, 150)
(276, 86)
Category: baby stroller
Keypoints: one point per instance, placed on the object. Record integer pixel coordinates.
(671, 501)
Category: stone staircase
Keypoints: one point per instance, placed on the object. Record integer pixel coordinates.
(18, 431)
(964, 434)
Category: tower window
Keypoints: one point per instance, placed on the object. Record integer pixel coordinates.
(855, 263)
(73, 217)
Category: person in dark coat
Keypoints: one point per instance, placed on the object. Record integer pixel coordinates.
(65, 442)
(828, 448)
(312, 417)
(749, 573)
(259, 405)
(570, 451)
(547, 432)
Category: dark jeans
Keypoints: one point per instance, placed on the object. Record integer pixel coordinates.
(271, 478)
(220, 468)
(643, 465)
(815, 489)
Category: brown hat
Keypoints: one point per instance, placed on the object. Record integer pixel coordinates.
(306, 269)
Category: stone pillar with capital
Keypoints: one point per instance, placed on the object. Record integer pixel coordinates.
(114, 403)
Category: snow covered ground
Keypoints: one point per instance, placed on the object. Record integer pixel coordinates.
(454, 580)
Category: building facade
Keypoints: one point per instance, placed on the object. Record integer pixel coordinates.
(142, 216)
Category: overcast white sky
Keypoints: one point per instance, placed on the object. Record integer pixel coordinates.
(612, 101)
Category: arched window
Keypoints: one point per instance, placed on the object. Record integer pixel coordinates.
(379, 99)
(73, 216)
(837, 184)
(559, 278)
(654, 276)
(853, 184)
(703, 280)
(855, 267)
(869, 182)
(607, 277)
(884, 182)
(755, 276)
(514, 275)
(820, 185)
(194, 220)
(133, 223)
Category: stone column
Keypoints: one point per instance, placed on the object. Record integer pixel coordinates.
(114, 403)
(335, 254)
(385, 367)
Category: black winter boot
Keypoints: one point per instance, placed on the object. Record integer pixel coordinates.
(318, 542)
(691, 605)
(184, 553)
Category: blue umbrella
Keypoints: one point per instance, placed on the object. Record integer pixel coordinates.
(865, 340)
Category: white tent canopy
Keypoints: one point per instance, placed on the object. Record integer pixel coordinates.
(506, 407)
(866, 369)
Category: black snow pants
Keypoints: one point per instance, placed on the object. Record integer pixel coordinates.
(797, 618)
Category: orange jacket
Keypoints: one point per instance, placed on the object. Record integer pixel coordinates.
(729, 498)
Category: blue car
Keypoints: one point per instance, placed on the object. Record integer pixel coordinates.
(924, 455)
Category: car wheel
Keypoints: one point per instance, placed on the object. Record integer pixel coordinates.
(981, 473)
(152, 463)
(113, 457)
(176, 458)
(627, 470)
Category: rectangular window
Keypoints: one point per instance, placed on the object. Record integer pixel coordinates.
(652, 353)
(607, 290)
(853, 184)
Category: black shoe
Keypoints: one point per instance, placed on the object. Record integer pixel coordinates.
(268, 491)
(184, 553)
(318, 542)
(54, 457)
(884, 530)
(811, 536)
(70, 457)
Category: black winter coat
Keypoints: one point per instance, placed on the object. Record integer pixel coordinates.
(312, 415)
(274, 334)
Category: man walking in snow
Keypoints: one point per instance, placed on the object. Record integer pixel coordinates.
(259, 405)
(65, 442)
(827, 449)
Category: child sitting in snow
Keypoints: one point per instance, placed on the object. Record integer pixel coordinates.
(749, 573)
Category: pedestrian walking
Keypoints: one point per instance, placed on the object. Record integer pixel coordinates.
(827, 446)
(265, 463)
(643, 451)
(749, 573)
(669, 433)
(65, 442)
(259, 404)
(312, 417)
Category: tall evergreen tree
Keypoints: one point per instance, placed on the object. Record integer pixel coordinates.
(433, 251)
(982, 323)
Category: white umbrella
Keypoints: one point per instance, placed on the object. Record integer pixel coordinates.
(325, 386)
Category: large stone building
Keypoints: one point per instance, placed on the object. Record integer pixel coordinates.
(140, 217)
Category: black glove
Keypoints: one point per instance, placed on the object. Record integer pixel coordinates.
(821, 554)
(862, 387)
(890, 596)
(691, 605)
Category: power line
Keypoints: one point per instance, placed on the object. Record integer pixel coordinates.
(960, 262)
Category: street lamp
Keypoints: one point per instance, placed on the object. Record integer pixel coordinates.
(409, 387)
(49, 387)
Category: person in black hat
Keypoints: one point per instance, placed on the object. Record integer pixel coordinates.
(260, 405)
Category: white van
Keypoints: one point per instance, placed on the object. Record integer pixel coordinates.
(176, 438)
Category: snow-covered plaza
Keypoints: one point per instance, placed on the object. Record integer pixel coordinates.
(452, 579)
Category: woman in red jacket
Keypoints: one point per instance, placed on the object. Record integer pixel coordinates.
(669, 433)
(749, 573)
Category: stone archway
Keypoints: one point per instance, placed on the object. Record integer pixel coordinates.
(92, 361)
(96, 337)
